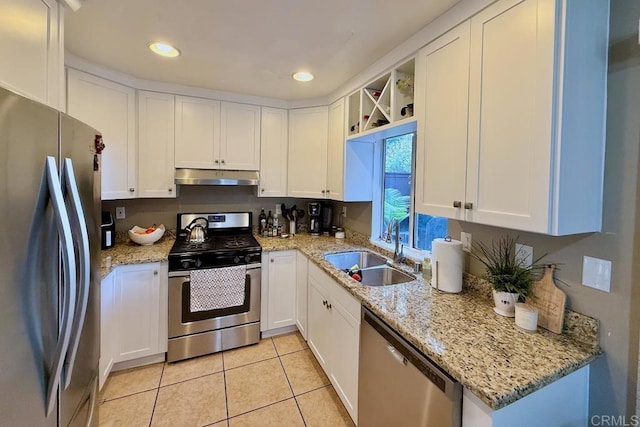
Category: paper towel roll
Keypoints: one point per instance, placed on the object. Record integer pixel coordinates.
(447, 263)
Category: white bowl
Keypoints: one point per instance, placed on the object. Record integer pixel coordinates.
(146, 239)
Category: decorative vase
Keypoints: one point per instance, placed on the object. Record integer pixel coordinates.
(505, 303)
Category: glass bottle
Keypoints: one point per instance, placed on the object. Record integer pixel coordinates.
(262, 222)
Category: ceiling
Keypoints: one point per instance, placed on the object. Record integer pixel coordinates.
(247, 46)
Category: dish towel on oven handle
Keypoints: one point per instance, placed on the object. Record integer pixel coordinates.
(216, 288)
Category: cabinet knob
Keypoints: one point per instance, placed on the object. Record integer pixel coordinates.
(262, 190)
(272, 260)
(155, 272)
(131, 190)
(223, 162)
(328, 191)
(324, 302)
(457, 204)
(329, 306)
(323, 191)
(170, 190)
(216, 162)
(468, 205)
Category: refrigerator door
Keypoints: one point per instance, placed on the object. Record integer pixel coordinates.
(28, 297)
(78, 392)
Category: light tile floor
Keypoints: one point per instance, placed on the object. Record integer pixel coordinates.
(277, 382)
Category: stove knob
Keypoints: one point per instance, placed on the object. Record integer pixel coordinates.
(236, 260)
(185, 264)
(247, 258)
(198, 263)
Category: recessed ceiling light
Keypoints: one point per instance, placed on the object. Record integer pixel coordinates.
(303, 76)
(164, 49)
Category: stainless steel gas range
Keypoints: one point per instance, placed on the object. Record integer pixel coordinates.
(214, 285)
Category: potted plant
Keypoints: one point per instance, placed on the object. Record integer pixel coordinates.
(511, 280)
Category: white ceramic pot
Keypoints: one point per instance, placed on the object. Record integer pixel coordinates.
(505, 303)
(526, 317)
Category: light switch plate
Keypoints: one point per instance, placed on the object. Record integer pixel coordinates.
(465, 238)
(344, 211)
(120, 213)
(596, 273)
(524, 255)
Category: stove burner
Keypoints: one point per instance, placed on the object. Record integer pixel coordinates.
(235, 242)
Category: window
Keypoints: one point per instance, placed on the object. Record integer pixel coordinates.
(416, 231)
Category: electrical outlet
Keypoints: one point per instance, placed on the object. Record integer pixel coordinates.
(596, 273)
(466, 241)
(120, 214)
(344, 211)
(524, 255)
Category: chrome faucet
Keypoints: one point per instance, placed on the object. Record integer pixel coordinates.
(398, 256)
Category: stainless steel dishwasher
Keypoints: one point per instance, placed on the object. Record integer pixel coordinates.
(398, 385)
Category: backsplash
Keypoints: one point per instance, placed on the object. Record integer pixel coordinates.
(145, 212)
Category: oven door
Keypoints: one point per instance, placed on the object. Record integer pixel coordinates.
(182, 321)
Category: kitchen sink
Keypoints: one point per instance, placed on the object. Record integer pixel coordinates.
(383, 276)
(345, 260)
(374, 268)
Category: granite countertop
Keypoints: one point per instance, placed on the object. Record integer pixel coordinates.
(485, 352)
(126, 252)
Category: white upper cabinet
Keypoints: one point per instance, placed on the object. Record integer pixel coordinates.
(536, 118)
(308, 152)
(110, 108)
(239, 136)
(197, 133)
(273, 152)
(335, 151)
(156, 143)
(442, 102)
(31, 45)
(216, 135)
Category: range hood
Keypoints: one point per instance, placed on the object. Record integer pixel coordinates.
(216, 177)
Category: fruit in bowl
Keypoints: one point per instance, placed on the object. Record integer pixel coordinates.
(146, 236)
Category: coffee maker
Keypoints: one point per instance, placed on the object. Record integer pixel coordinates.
(314, 218)
(327, 218)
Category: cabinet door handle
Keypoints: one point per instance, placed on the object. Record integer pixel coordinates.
(468, 205)
(324, 302)
(329, 306)
(131, 190)
(457, 204)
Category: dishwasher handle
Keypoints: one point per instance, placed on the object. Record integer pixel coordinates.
(402, 349)
(396, 355)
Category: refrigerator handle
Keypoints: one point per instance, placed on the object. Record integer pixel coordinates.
(69, 183)
(69, 274)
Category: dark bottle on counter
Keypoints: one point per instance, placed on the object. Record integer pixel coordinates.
(262, 222)
(270, 224)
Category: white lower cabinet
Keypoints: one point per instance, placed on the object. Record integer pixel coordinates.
(133, 318)
(334, 335)
(302, 267)
(107, 327)
(279, 268)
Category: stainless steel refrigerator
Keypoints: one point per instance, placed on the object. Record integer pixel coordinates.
(49, 266)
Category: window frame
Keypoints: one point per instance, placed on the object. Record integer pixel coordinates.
(377, 221)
